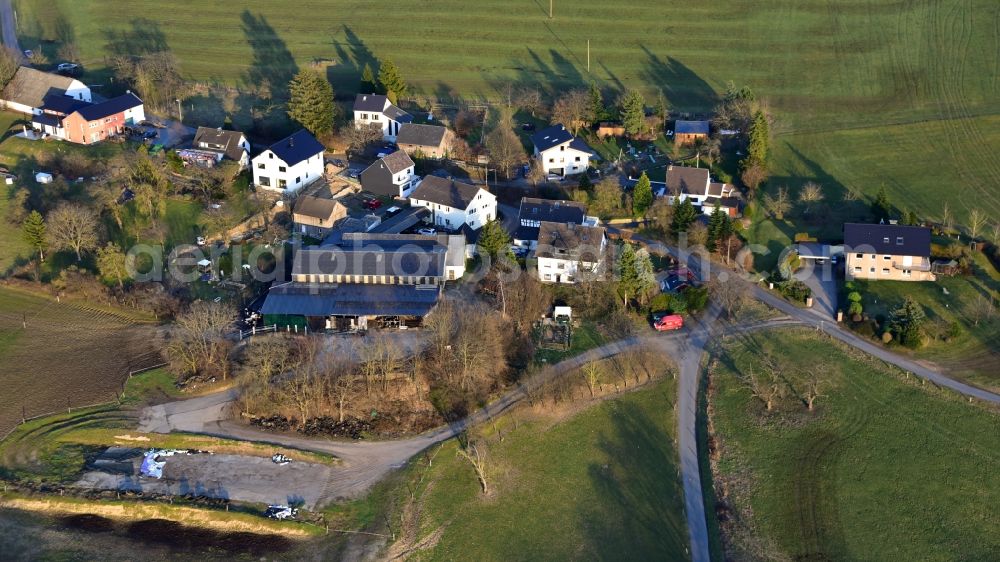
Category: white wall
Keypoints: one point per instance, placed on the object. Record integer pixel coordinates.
(79, 91)
(564, 157)
(482, 209)
(390, 128)
(136, 114)
(307, 171)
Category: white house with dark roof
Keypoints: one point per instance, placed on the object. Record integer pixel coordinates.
(27, 90)
(695, 184)
(534, 211)
(559, 152)
(391, 176)
(223, 144)
(887, 252)
(453, 203)
(289, 164)
(377, 109)
(565, 250)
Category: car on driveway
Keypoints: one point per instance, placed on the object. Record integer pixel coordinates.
(668, 322)
(674, 284)
(372, 204)
(280, 512)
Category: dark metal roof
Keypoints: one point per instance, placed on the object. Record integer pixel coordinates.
(691, 127)
(46, 119)
(421, 135)
(397, 114)
(30, 87)
(454, 194)
(405, 257)
(220, 140)
(110, 107)
(579, 144)
(889, 239)
(350, 299)
(569, 241)
(537, 210)
(370, 102)
(297, 147)
(59, 103)
(550, 136)
(406, 218)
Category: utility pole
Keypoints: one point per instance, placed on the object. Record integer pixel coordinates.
(550, 8)
(180, 111)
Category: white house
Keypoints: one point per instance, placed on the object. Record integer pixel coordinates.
(375, 108)
(533, 211)
(289, 164)
(567, 250)
(223, 144)
(391, 176)
(453, 203)
(559, 152)
(27, 90)
(696, 185)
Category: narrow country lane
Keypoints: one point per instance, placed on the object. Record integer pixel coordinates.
(8, 26)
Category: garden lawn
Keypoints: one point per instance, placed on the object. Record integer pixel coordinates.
(583, 338)
(884, 469)
(601, 484)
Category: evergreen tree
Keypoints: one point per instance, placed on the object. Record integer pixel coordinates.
(494, 240)
(33, 231)
(642, 195)
(391, 81)
(684, 215)
(111, 262)
(367, 80)
(906, 322)
(311, 102)
(662, 108)
(585, 183)
(628, 279)
(633, 112)
(645, 276)
(911, 219)
(760, 139)
(597, 109)
(881, 207)
(717, 226)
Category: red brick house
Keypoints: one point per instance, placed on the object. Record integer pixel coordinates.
(97, 122)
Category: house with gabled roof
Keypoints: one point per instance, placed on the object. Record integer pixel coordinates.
(428, 141)
(224, 144)
(27, 90)
(534, 211)
(887, 252)
(391, 176)
(687, 132)
(289, 164)
(559, 152)
(696, 184)
(95, 122)
(315, 215)
(453, 203)
(377, 109)
(568, 250)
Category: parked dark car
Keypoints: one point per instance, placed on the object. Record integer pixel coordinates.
(527, 126)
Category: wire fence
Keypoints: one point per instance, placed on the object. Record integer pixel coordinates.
(117, 400)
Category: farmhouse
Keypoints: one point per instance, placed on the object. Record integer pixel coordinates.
(687, 132)
(314, 215)
(92, 123)
(887, 251)
(533, 211)
(453, 204)
(427, 141)
(289, 164)
(223, 144)
(567, 250)
(27, 90)
(559, 152)
(696, 185)
(388, 279)
(391, 176)
(377, 109)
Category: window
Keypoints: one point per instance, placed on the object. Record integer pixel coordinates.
(561, 265)
(885, 240)
(871, 270)
(885, 271)
(298, 179)
(282, 184)
(577, 158)
(873, 256)
(282, 169)
(886, 258)
(857, 269)
(899, 240)
(270, 155)
(859, 256)
(561, 148)
(264, 181)
(906, 273)
(552, 160)
(261, 166)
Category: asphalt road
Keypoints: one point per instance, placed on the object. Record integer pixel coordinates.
(8, 27)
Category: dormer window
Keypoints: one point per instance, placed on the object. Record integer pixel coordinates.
(899, 240)
(885, 240)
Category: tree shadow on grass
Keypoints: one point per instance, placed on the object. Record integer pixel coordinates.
(352, 56)
(271, 68)
(681, 85)
(640, 510)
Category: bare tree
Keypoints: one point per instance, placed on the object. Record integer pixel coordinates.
(266, 358)
(529, 99)
(753, 176)
(72, 226)
(592, 374)
(811, 193)
(814, 387)
(947, 218)
(977, 221)
(476, 454)
(767, 390)
(732, 294)
(995, 235)
(982, 309)
(360, 137)
(572, 109)
(198, 339)
(505, 149)
(778, 204)
(9, 61)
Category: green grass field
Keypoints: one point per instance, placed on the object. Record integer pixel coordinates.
(598, 484)
(864, 92)
(884, 469)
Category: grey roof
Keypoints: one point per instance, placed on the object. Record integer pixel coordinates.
(443, 191)
(405, 219)
(220, 140)
(691, 127)
(370, 102)
(682, 179)
(403, 257)
(550, 136)
(581, 145)
(350, 299)
(316, 207)
(47, 119)
(60, 103)
(889, 239)
(397, 161)
(297, 147)
(533, 209)
(397, 114)
(569, 241)
(113, 106)
(421, 135)
(29, 86)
